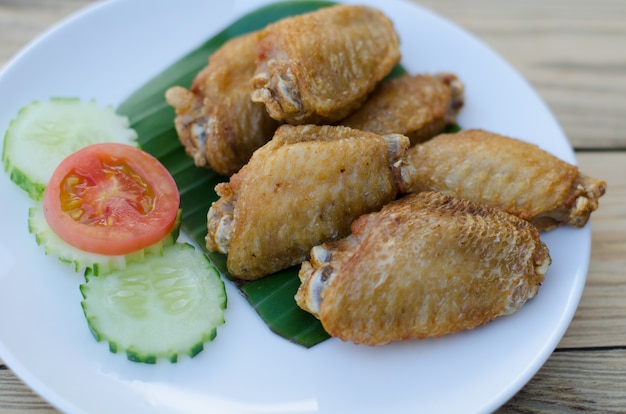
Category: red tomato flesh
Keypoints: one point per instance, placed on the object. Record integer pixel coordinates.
(111, 199)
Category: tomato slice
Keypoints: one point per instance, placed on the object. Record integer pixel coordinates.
(111, 199)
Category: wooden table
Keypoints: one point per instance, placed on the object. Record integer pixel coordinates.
(574, 53)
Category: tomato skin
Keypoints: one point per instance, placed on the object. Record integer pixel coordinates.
(111, 199)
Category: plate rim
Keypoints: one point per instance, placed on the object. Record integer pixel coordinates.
(58, 401)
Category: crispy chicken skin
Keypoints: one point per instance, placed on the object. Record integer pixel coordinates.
(426, 265)
(318, 67)
(303, 187)
(418, 106)
(216, 121)
(504, 172)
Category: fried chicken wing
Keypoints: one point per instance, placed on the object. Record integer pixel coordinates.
(216, 121)
(426, 265)
(302, 188)
(419, 106)
(504, 172)
(320, 66)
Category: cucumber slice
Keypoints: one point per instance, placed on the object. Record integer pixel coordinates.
(44, 133)
(168, 305)
(80, 259)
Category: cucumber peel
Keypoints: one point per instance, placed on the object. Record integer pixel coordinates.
(165, 307)
(81, 260)
(44, 133)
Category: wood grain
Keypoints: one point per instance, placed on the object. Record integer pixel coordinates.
(575, 381)
(15, 397)
(573, 52)
(600, 320)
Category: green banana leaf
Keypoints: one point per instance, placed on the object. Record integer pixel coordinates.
(153, 119)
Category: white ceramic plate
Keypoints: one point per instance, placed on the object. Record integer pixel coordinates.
(108, 51)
